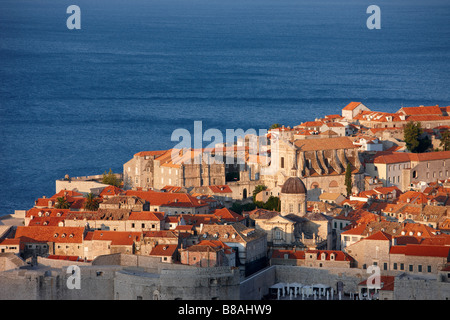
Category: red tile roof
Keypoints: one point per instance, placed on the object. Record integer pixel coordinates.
(380, 235)
(167, 198)
(220, 189)
(387, 157)
(338, 255)
(421, 250)
(67, 193)
(431, 110)
(50, 234)
(111, 191)
(46, 221)
(9, 242)
(46, 212)
(164, 250)
(325, 144)
(215, 245)
(146, 215)
(291, 254)
(228, 215)
(68, 258)
(351, 106)
(171, 189)
(387, 281)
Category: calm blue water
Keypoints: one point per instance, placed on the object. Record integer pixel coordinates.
(83, 101)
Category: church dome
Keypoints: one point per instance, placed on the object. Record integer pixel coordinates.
(294, 185)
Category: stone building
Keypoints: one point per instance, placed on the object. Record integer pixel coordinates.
(312, 258)
(379, 249)
(293, 197)
(131, 203)
(250, 244)
(320, 163)
(208, 253)
(183, 168)
(401, 169)
(43, 240)
(171, 203)
(102, 242)
(353, 109)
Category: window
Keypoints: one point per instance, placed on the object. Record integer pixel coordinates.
(385, 266)
(411, 268)
(395, 266)
(277, 234)
(429, 268)
(282, 162)
(402, 266)
(419, 268)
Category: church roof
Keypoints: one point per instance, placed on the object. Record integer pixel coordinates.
(294, 185)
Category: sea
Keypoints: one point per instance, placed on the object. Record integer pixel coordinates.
(82, 101)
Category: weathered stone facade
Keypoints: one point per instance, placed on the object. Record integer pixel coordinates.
(320, 163)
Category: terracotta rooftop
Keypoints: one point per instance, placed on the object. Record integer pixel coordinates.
(325, 144)
(228, 215)
(164, 250)
(50, 234)
(168, 199)
(351, 106)
(421, 250)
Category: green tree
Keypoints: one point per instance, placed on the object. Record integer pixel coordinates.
(348, 179)
(273, 203)
(274, 126)
(111, 179)
(445, 140)
(238, 208)
(414, 139)
(91, 202)
(61, 203)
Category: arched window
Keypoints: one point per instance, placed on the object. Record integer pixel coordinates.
(333, 184)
